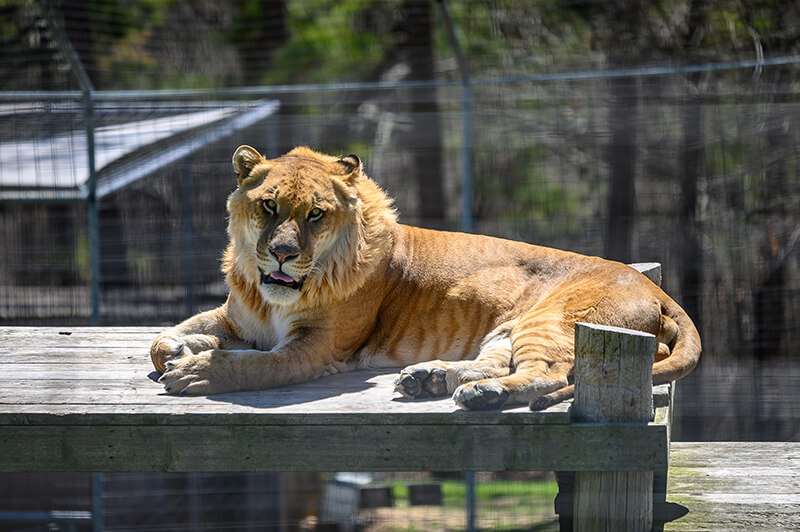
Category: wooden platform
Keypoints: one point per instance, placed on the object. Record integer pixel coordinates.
(743, 486)
(85, 399)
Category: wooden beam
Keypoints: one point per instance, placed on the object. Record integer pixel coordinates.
(329, 447)
(651, 270)
(613, 384)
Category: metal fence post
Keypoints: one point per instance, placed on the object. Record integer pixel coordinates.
(187, 235)
(94, 213)
(87, 88)
(469, 484)
(97, 502)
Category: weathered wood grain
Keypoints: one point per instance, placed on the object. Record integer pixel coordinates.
(613, 369)
(333, 447)
(70, 335)
(67, 399)
(113, 391)
(651, 270)
(77, 413)
(74, 355)
(613, 384)
(740, 486)
(79, 374)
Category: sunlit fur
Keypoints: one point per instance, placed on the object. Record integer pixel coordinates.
(323, 279)
(357, 222)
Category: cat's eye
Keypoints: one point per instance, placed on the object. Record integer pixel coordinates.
(270, 206)
(315, 214)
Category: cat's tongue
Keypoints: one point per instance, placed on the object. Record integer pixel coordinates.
(280, 276)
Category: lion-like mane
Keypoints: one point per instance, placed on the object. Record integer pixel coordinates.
(342, 269)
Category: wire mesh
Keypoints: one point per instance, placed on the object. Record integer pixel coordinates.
(700, 146)
(275, 501)
(661, 131)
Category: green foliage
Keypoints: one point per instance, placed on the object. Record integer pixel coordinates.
(242, 31)
(399, 491)
(516, 38)
(530, 188)
(353, 40)
(454, 492)
(82, 261)
(362, 149)
(328, 42)
(508, 505)
(122, 33)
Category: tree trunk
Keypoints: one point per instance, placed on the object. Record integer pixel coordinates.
(261, 34)
(691, 254)
(771, 291)
(622, 167)
(425, 134)
(624, 21)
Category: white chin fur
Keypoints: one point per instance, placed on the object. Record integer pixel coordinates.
(279, 295)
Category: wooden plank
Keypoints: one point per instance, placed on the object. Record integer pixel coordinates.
(613, 384)
(167, 414)
(77, 356)
(186, 447)
(138, 414)
(78, 375)
(120, 403)
(651, 270)
(18, 337)
(104, 414)
(88, 401)
(613, 369)
(70, 332)
(19, 374)
(734, 486)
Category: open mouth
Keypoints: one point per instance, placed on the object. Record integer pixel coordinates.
(280, 278)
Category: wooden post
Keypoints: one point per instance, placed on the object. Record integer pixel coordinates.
(613, 384)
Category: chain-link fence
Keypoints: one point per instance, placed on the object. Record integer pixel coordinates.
(666, 132)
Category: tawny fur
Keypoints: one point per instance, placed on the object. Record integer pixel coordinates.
(322, 279)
